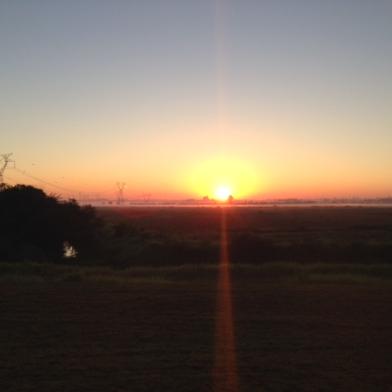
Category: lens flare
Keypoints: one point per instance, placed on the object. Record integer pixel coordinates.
(225, 372)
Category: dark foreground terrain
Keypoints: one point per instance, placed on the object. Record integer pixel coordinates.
(159, 336)
(172, 236)
(311, 289)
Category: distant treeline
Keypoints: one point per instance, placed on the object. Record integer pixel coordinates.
(40, 227)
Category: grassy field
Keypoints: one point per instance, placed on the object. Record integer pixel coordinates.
(198, 273)
(172, 236)
(299, 325)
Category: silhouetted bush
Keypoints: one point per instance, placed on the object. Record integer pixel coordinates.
(35, 226)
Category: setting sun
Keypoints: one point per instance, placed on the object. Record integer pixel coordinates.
(221, 177)
(222, 193)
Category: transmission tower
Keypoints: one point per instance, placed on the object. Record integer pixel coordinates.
(5, 161)
(120, 192)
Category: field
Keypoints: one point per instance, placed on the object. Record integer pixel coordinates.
(300, 324)
(167, 236)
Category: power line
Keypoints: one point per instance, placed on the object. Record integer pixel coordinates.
(44, 181)
(8, 179)
(5, 158)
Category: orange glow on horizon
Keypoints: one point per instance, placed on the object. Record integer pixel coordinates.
(246, 177)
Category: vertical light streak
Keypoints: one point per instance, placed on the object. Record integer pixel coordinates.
(225, 372)
(225, 363)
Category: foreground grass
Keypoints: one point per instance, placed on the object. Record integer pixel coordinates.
(317, 272)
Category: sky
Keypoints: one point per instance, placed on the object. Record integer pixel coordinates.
(178, 98)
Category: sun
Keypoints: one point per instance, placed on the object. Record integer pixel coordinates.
(223, 192)
(221, 177)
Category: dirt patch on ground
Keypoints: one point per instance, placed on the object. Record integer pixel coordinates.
(290, 337)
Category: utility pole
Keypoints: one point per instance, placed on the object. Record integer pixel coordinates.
(5, 159)
(120, 192)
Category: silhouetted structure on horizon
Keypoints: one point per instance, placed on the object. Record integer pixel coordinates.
(5, 158)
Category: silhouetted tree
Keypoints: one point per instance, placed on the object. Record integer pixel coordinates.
(35, 226)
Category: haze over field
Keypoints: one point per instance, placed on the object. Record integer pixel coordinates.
(185, 99)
